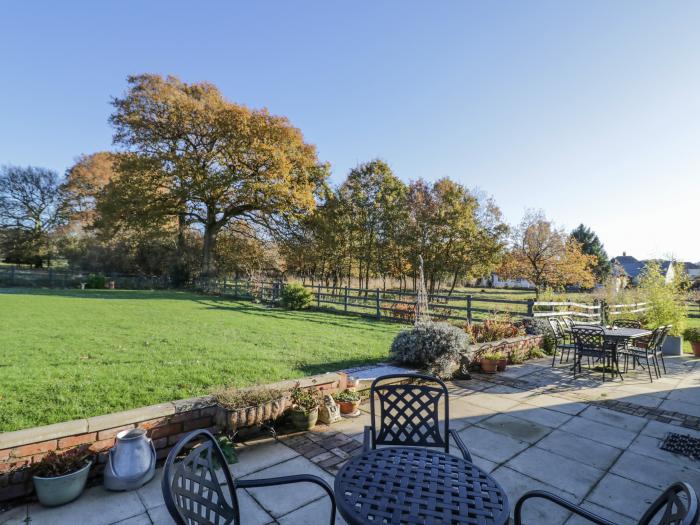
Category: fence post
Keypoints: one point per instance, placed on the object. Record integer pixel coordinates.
(235, 287)
(530, 307)
(379, 310)
(469, 309)
(12, 276)
(224, 293)
(318, 296)
(602, 306)
(345, 299)
(50, 277)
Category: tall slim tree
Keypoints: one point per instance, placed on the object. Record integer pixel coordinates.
(207, 161)
(591, 245)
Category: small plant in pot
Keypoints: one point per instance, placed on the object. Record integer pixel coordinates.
(693, 335)
(305, 403)
(348, 400)
(489, 362)
(61, 478)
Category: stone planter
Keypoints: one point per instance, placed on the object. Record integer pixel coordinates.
(673, 345)
(235, 419)
(304, 420)
(61, 489)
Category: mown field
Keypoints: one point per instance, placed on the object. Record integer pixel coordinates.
(73, 354)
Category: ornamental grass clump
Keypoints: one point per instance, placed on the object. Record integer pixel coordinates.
(437, 348)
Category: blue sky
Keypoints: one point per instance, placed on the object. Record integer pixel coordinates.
(588, 110)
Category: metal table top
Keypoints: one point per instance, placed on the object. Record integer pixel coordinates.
(411, 485)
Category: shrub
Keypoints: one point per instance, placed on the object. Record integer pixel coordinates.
(495, 356)
(692, 335)
(435, 347)
(665, 301)
(54, 465)
(405, 312)
(493, 330)
(96, 281)
(295, 297)
(540, 326)
(305, 399)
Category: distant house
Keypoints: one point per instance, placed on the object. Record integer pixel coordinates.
(497, 282)
(628, 270)
(693, 270)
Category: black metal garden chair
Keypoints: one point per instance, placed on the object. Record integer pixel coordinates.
(409, 414)
(591, 344)
(649, 350)
(678, 505)
(193, 493)
(561, 344)
(626, 323)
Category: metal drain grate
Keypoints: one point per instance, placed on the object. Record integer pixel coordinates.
(683, 444)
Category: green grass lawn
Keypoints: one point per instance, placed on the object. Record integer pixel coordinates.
(73, 354)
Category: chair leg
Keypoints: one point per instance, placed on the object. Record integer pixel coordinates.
(649, 368)
(662, 361)
(554, 356)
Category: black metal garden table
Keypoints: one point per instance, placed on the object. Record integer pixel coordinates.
(411, 485)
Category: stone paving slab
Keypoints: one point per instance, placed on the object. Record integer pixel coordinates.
(531, 427)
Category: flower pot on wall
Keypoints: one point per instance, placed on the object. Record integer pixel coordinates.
(303, 420)
(58, 490)
(502, 363)
(235, 419)
(673, 345)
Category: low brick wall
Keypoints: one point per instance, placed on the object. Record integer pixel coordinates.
(166, 424)
(513, 347)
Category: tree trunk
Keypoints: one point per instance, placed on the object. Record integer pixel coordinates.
(208, 251)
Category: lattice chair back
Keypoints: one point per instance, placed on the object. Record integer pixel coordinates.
(568, 322)
(556, 328)
(589, 339)
(627, 323)
(192, 491)
(678, 505)
(408, 413)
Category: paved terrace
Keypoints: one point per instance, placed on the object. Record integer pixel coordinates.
(531, 427)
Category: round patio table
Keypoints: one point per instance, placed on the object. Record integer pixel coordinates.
(411, 485)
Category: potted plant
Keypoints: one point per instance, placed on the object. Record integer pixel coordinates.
(249, 407)
(304, 412)
(693, 335)
(348, 400)
(489, 362)
(60, 478)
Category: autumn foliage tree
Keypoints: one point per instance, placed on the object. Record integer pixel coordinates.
(546, 256)
(194, 157)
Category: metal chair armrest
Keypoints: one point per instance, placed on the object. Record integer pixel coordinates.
(460, 445)
(517, 513)
(286, 480)
(367, 442)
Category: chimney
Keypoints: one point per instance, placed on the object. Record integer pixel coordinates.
(624, 254)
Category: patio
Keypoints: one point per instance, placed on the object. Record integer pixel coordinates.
(531, 427)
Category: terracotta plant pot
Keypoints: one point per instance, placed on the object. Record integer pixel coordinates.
(502, 363)
(304, 420)
(489, 366)
(348, 407)
(695, 345)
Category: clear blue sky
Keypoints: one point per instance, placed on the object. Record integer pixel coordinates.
(588, 110)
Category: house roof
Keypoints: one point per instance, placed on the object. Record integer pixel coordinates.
(633, 267)
(691, 266)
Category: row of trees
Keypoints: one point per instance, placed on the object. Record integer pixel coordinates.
(200, 185)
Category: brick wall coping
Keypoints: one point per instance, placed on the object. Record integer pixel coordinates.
(136, 415)
(479, 347)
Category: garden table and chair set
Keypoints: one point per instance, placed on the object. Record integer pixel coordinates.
(406, 474)
(623, 343)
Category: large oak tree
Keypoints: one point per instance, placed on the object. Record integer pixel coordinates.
(193, 156)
